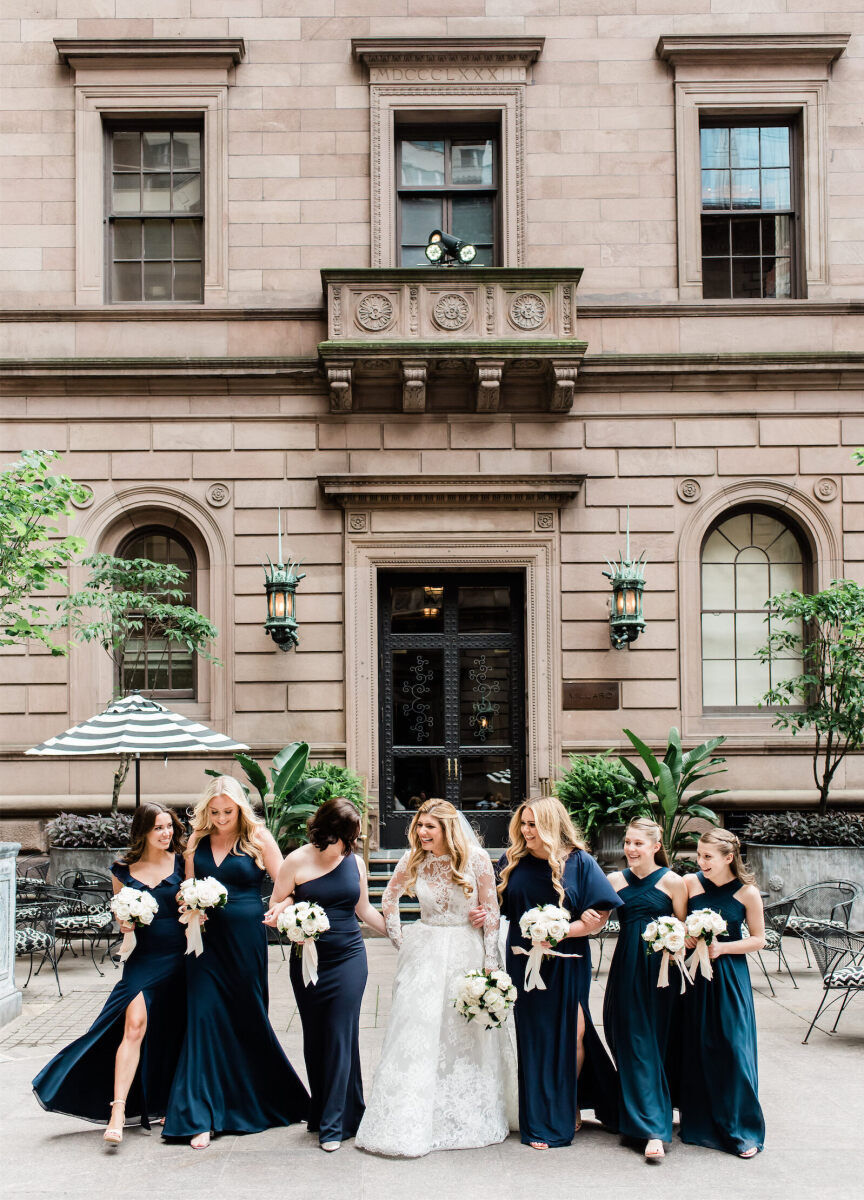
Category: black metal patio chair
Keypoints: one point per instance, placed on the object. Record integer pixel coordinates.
(839, 955)
(613, 927)
(35, 933)
(820, 908)
(776, 919)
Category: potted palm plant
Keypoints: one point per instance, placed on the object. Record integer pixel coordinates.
(599, 800)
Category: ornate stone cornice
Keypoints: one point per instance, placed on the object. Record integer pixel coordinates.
(87, 53)
(440, 51)
(817, 49)
(506, 491)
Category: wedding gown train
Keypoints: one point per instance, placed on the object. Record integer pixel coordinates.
(442, 1083)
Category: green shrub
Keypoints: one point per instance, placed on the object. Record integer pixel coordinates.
(79, 831)
(805, 829)
(595, 794)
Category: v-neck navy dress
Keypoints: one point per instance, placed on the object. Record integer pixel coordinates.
(546, 1022)
(233, 1076)
(79, 1081)
(719, 1072)
(330, 1009)
(637, 1015)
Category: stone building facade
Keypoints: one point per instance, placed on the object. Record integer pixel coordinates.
(212, 306)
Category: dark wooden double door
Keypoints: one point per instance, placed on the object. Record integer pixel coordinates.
(452, 688)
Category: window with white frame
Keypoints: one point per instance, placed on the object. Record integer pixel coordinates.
(747, 557)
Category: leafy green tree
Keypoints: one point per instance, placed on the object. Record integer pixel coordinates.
(120, 598)
(826, 632)
(33, 555)
(663, 789)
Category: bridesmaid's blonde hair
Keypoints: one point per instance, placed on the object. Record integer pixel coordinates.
(455, 844)
(556, 831)
(247, 838)
(652, 830)
(727, 843)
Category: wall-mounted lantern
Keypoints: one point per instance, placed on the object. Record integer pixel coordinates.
(627, 577)
(280, 584)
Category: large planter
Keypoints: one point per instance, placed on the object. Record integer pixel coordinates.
(781, 870)
(10, 997)
(80, 858)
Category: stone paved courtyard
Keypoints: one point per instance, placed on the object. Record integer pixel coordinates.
(812, 1095)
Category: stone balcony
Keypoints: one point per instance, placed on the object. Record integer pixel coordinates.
(458, 339)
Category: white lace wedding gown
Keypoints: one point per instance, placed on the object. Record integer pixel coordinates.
(442, 1083)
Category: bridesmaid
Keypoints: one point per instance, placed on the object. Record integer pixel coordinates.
(637, 1015)
(233, 1076)
(560, 1053)
(327, 872)
(128, 1056)
(719, 1074)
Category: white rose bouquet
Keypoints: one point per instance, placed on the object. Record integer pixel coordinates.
(133, 907)
(704, 924)
(485, 997)
(666, 936)
(304, 923)
(545, 923)
(198, 895)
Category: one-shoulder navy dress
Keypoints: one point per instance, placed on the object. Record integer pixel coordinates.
(637, 1015)
(546, 1022)
(79, 1081)
(233, 1076)
(719, 1073)
(330, 1009)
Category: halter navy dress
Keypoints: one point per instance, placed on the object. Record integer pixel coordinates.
(233, 1076)
(330, 1009)
(719, 1073)
(79, 1081)
(637, 1015)
(546, 1022)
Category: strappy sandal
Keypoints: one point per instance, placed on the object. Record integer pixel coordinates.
(751, 1153)
(112, 1135)
(539, 1145)
(655, 1155)
(198, 1144)
(578, 1124)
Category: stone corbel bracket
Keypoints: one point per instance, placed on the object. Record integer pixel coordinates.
(488, 374)
(339, 380)
(414, 385)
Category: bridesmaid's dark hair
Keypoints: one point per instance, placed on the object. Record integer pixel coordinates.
(142, 823)
(337, 820)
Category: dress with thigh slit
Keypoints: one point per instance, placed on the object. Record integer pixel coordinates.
(79, 1081)
(546, 1021)
(233, 1076)
(330, 1009)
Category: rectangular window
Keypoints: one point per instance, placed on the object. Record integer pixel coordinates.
(155, 225)
(749, 209)
(447, 179)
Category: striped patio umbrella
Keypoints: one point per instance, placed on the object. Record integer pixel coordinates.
(134, 725)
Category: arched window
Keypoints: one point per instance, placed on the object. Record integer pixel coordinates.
(747, 557)
(154, 665)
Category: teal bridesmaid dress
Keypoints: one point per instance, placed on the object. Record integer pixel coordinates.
(637, 1015)
(233, 1076)
(79, 1081)
(719, 1074)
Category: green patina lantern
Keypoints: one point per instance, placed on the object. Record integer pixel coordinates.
(627, 577)
(280, 584)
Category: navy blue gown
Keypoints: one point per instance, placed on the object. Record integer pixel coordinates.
(233, 1076)
(637, 1015)
(719, 1073)
(79, 1081)
(330, 1009)
(546, 1022)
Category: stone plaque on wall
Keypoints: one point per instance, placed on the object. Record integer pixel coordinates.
(591, 694)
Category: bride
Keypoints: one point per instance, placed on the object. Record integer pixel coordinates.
(443, 1083)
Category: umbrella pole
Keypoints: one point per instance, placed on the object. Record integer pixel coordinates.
(137, 780)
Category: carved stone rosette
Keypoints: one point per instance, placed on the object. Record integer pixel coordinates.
(451, 311)
(375, 312)
(528, 311)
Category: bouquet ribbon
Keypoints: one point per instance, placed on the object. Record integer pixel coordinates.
(193, 919)
(678, 959)
(703, 962)
(309, 962)
(127, 945)
(535, 955)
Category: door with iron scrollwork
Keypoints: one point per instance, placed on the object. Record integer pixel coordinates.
(452, 694)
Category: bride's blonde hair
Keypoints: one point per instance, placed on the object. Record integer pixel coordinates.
(249, 824)
(556, 831)
(455, 844)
